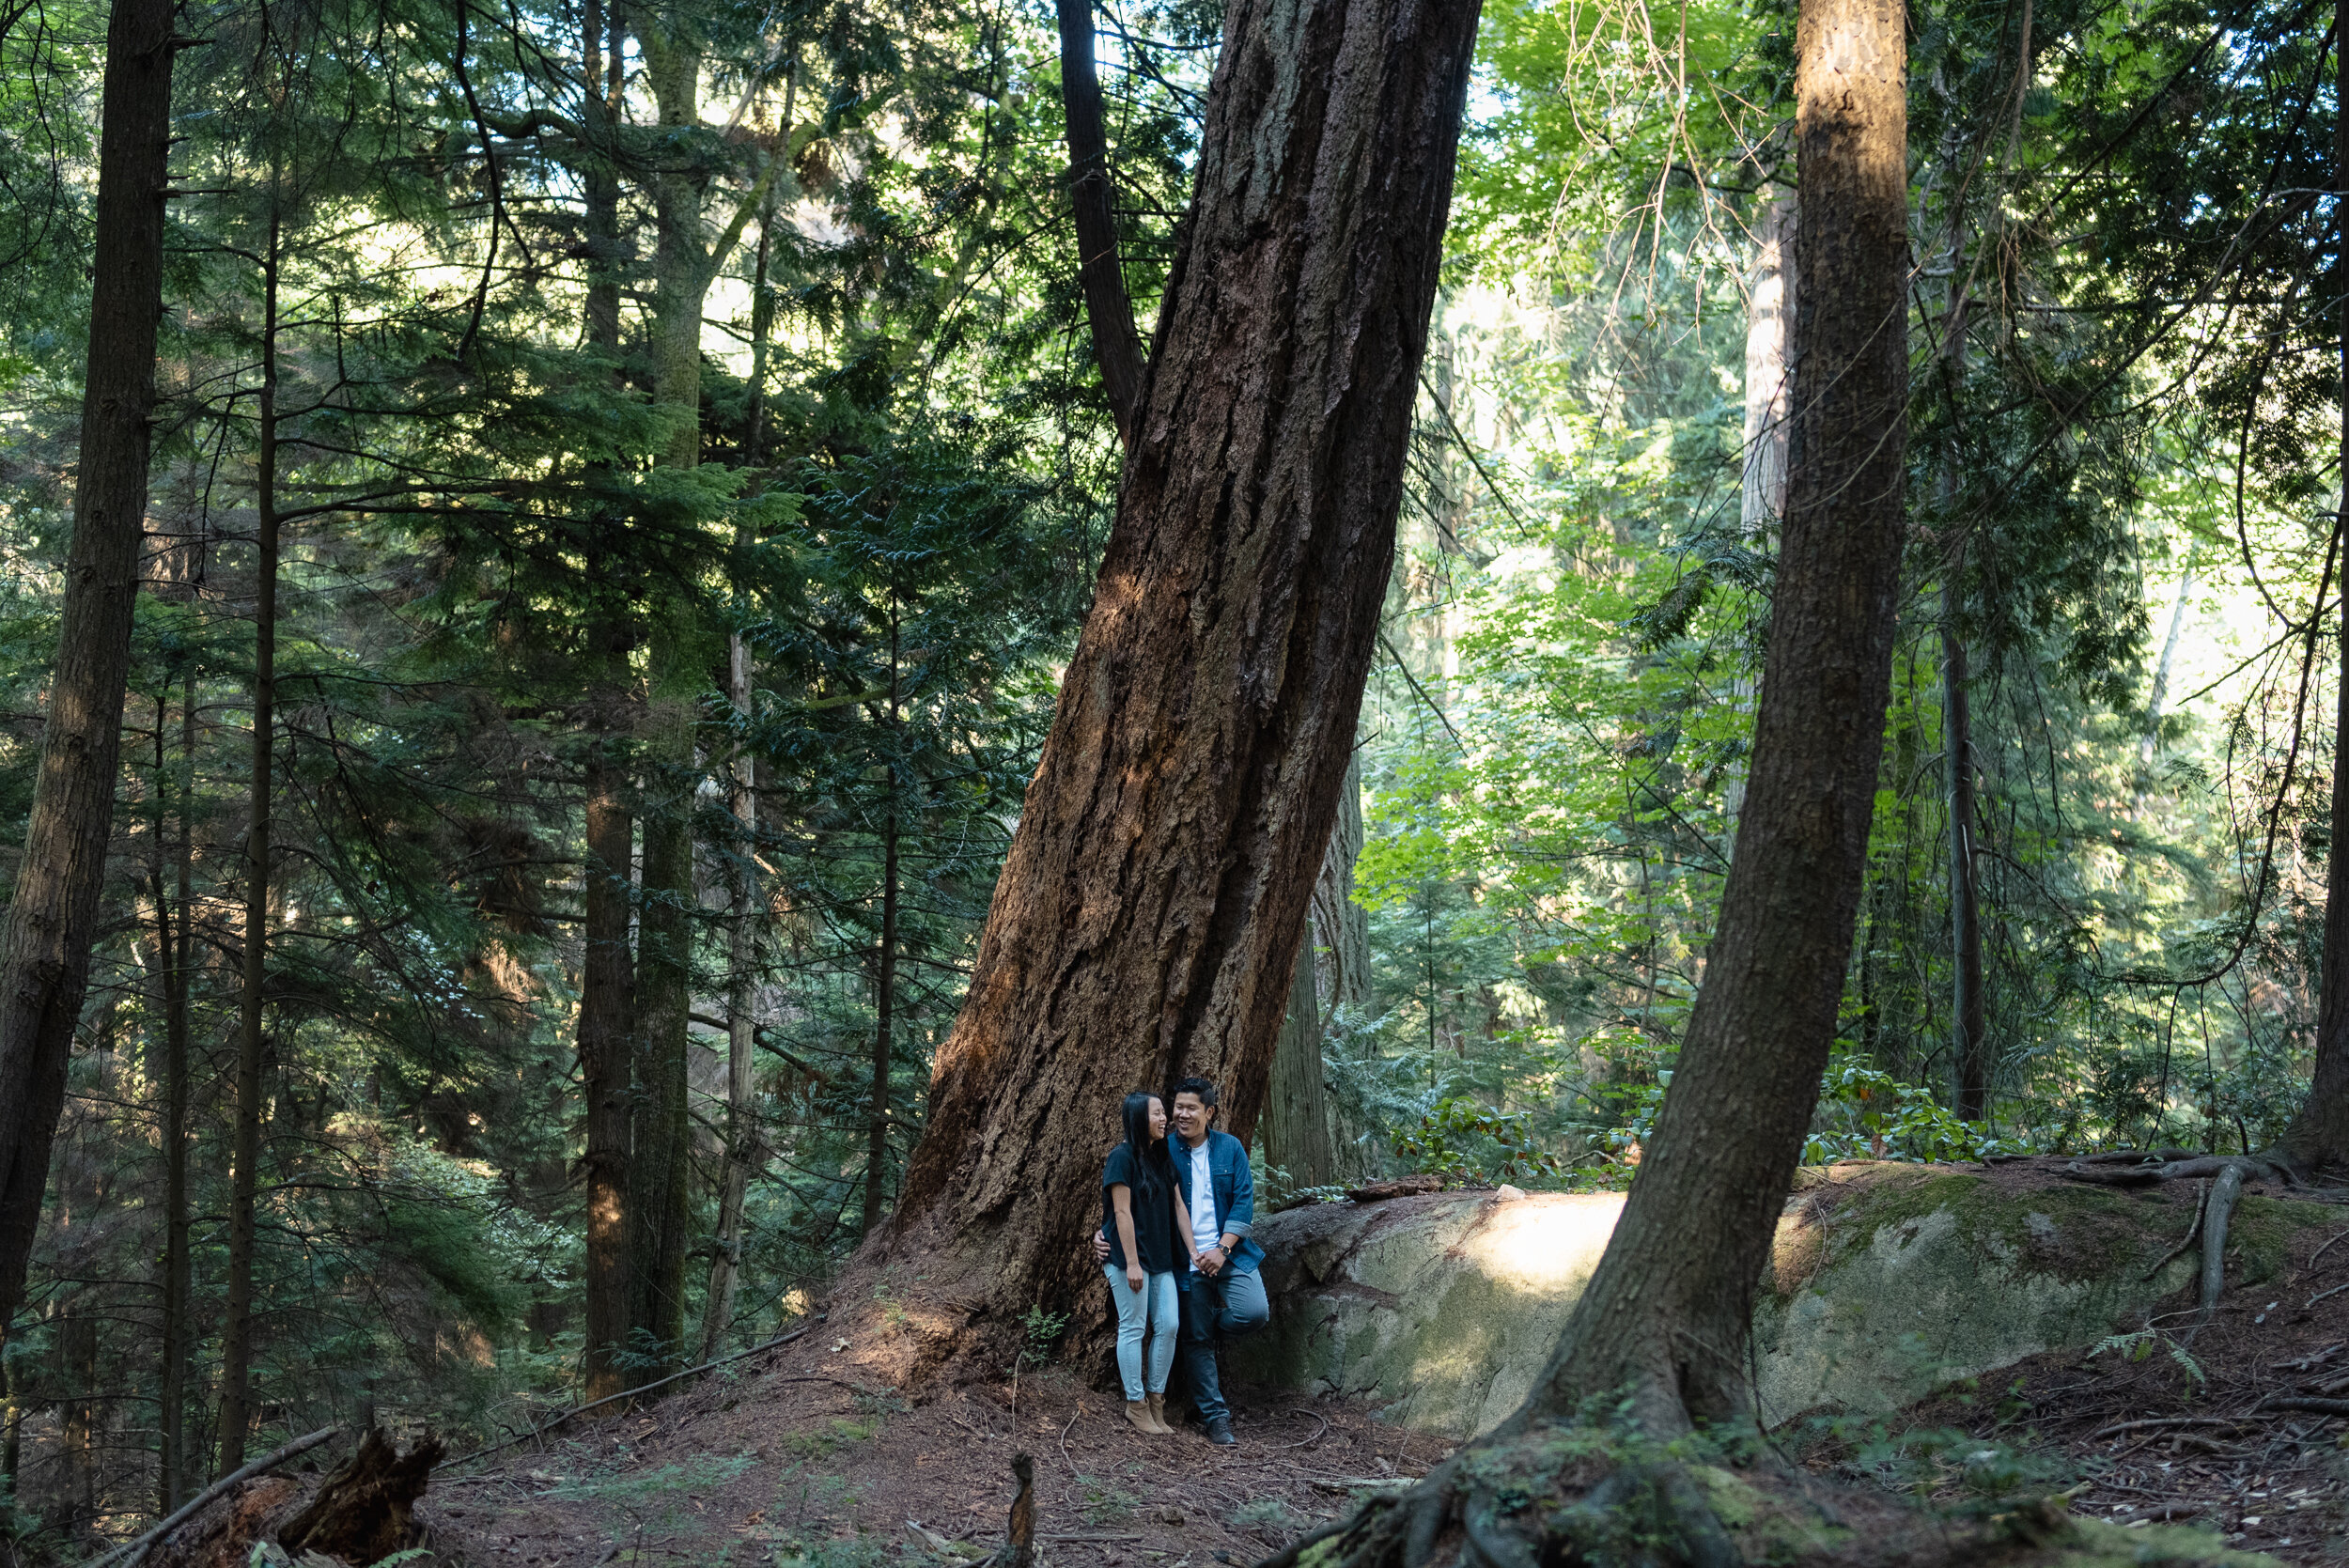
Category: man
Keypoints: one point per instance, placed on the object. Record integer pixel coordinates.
(1222, 1297)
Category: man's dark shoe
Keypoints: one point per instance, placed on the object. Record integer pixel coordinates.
(1219, 1431)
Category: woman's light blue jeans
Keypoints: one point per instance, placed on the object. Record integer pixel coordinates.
(1153, 1309)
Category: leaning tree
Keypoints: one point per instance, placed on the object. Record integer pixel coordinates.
(1147, 918)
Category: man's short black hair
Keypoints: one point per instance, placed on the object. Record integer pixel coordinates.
(1199, 1086)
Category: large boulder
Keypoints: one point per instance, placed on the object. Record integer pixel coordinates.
(1887, 1282)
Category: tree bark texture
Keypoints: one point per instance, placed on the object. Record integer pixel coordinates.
(607, 967)
(660, 1164)
(1147, 918)
(52, 921)
(1666, 1315)
(236, 1356)
(1295, 1123)
(742, 1132)
(1968, 1031)
(1343, 963)
(2319, 1133)
(1117, 347)
(1769, 319)
(884, 969)
(173, 954)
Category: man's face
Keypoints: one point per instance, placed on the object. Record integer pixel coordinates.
(1191, 1116)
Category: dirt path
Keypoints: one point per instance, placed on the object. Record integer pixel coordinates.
(793, 1464)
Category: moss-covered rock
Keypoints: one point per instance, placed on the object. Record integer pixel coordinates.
(1888, 1280)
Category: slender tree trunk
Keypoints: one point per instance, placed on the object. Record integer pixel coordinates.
(1296, 1107)
(172, 955)
(742, 1135)
(77, 1352)
(2319, 1133)
(607, 970)
(1666, 1315)
(245, 1143)
(52, 921)
(1147, 919)
(1967, 1031)
(1343, 928)
(1117, 347)
(742, 1132)
(1769, 319)
(885, 968)
(2147, 742)
(661, 1167)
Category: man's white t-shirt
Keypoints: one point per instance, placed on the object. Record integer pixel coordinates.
(1203, 1232)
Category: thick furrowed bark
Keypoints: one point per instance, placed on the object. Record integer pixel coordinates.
(1147, 919)
(52, 921)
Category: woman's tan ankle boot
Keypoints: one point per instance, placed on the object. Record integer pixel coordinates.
(1158, 1414)
(1138, 1417)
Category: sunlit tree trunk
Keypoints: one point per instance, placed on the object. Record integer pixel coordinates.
(742, 1131)
(53, 918)
(1147, 920)
(235, 1372)
(1769, 318)
(1665, 1317)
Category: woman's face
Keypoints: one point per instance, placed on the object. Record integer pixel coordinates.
(1158, 1117)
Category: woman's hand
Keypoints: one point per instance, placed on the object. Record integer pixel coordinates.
(1133, 1276)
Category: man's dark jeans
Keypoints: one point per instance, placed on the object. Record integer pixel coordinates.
(1228, 1306)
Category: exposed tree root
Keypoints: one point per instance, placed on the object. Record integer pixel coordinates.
(1575, 1497)
(2226, 1174)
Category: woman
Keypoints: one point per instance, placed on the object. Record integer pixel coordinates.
(1149, 1231)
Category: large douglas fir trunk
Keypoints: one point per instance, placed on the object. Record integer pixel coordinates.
(1148, 915)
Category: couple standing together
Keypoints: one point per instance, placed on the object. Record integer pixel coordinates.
(1177, 1213)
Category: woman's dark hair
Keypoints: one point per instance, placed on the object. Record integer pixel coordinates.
(1153, 1172)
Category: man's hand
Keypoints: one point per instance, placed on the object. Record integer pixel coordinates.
(1100, 1247)
(1211, 1261)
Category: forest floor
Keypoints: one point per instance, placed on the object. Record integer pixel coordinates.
(800, 1459)
(2179, 1425)
(794, 1462)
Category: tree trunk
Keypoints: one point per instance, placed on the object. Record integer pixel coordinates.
(172, 955)
(245, 1143)
(52, 921)
(885, 971)
(1969, 1036)
(1341, 924)
(2147, 742)
(1343, 928)
(1769, 319)
(2319, 1133)
(1147, 918)
(1296, 1109)
(1117, 347)
(607, 969)
(1666, 1315)
(742, 1135)
(660, 1166)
